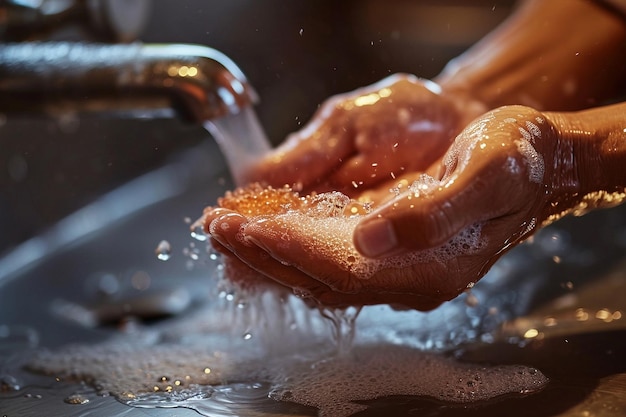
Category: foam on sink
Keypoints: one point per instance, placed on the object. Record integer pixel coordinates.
(200, 361)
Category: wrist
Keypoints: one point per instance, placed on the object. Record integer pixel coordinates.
(549, 55)
(589, 154)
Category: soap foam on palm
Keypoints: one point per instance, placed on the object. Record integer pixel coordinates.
(332, 238)
(325, 224)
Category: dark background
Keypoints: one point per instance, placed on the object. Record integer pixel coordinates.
(295, 53)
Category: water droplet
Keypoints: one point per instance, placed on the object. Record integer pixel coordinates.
(471, 300)
(198, 233)
(108, 284)
(9, 383)
(76, 399)
(301, 293)
(228, 295)
(141, 280)
(163, 250)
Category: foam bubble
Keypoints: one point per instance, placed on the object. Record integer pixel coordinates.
(331, 239)
(424, 185)
(334, 384)
(461, 150)
(534, 130)
(324, 223)
(147, 371)
(534, 161)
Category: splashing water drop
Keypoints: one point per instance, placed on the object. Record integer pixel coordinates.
(198, 234)
(9, 383)
(76, 399)
(343, 322)
(163, 250)
(471, 300)
(301, 292)
(424, 185)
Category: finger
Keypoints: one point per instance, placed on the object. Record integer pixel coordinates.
(427, 218)
(228, 231)
(391, 153)
(363, 171)
(272, 255)
(320, 249)
(327, 256)
(210, 214)
(236, 269)
(308, 156)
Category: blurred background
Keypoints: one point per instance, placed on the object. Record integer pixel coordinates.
(295, 53)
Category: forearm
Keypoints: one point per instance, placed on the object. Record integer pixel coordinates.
(590, 160)
(550, 55)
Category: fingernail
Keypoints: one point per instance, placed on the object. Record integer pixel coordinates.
(376, 237)
(221, 240)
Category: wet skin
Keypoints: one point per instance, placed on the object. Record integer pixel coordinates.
(369, 136)
(508, 172)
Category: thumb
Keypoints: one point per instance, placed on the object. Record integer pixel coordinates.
(421, 220)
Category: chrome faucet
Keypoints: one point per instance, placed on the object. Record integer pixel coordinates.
(113, 80)
(51, 77)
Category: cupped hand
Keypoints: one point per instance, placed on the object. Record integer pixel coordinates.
(306, 246)
(426, 241)
(369, 136)
(503, 174)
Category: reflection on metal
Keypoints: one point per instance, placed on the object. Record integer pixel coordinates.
(144, 191)
(200, 83)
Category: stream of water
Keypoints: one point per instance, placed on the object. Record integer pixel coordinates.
(241, 139)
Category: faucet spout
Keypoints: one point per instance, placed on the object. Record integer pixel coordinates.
(198, 82)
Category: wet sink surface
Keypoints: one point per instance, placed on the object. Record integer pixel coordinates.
(115, 263)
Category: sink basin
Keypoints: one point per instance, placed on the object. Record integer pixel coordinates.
(90, 280)
(96, 276)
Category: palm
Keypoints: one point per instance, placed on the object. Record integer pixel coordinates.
(309, 250)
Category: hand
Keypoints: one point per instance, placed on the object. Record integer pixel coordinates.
(287, 242)
(513, 170)
(445, 232)
(372, 135)
(507, 174)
